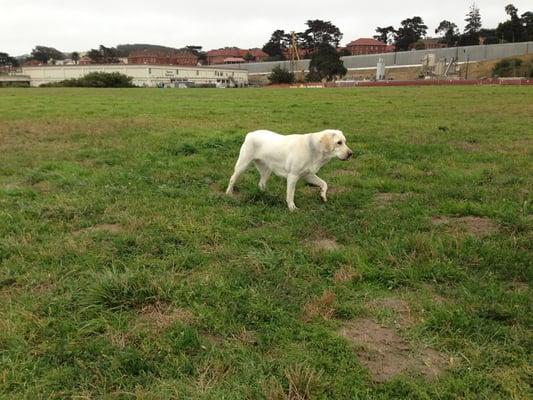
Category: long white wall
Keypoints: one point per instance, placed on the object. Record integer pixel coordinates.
(143, 75)
(461, 54)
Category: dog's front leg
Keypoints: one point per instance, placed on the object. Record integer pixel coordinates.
(291, 186)
(315, 180)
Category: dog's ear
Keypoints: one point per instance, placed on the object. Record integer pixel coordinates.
(327, 142)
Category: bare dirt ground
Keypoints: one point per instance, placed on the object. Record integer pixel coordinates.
(476, 226)
(386, 354)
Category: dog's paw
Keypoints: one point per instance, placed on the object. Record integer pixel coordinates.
(292, 207)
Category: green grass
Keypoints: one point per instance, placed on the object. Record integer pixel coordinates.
(112, 208)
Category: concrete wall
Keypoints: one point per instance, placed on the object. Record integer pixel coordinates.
(473, 53)
(143, 75)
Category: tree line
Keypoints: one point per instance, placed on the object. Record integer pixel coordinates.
(517, 28)
(320, 41)
(100, 55)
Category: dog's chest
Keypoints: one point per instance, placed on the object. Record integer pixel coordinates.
(315, 166)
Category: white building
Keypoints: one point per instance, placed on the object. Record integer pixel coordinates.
(143, 75)
(66, 61)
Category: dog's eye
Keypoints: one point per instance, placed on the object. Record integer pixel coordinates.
(339, 142)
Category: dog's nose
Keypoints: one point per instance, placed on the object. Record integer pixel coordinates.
(350, 154)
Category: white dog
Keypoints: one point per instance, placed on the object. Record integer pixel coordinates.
(290, 156)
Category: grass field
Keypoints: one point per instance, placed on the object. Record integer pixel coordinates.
(127, 273)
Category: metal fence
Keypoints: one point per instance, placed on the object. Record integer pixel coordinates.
(472, 53)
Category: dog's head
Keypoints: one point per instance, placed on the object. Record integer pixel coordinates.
(334, 143)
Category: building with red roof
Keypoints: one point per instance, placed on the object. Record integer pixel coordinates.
(33, 63)
(229, 55)
(179, 57)
(303, 53)
(234, 60)
(367, 46)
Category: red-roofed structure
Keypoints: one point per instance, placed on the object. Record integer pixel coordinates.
(181, 57)
(221, 56)
(303, 53)
(234, 60)
(33, 63)
(367, 46)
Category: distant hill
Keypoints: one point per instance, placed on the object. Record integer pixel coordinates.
(125, 49)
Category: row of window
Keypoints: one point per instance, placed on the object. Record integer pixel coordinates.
(217, 73)
(369, 47)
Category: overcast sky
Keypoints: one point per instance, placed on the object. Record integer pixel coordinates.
(80, 25)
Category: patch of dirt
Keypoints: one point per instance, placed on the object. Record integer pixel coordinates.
(386, 354)
(386, 199)
(215, 188)
(213, 339)
(11, 186)
(118, 339)
(438, 299)
(346, 273)
(435, 297)
(325, 244)
(211, 248)
(246, 337)
(437, 221)
(160, 316)
(332, 190)
(43, 186)
(467, 147)
(111, 228)
(402, 311)
(347, 172)
(519, 287)
(321, 307)
(319, 240)
(476, 226)
(337, 189)
(10, 287)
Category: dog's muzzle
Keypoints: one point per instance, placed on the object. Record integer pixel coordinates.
(348, 156)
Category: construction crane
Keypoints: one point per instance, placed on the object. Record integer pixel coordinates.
(295, 58)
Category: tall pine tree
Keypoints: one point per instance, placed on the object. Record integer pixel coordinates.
(473, 26)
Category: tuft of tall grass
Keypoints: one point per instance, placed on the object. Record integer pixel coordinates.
(122, 290)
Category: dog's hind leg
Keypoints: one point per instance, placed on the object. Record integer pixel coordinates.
(245, 158)
(264, 171)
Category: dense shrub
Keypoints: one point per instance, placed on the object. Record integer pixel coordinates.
(513, 67)
(96, 79)
(14, 84)
(281, 75)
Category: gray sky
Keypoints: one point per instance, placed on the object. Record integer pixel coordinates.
(81, 25)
